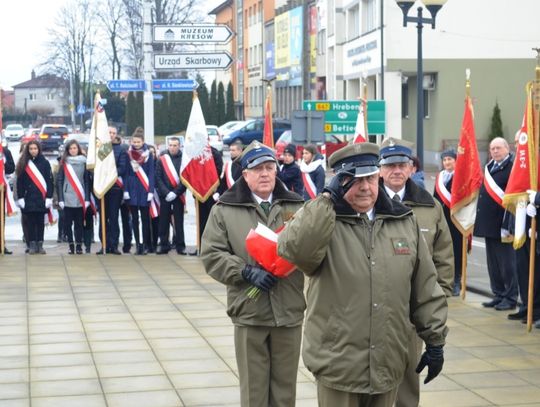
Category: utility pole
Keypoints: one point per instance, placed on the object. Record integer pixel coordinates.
(148, 98)
(306, 52)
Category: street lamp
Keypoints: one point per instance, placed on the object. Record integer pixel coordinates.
(433, 7)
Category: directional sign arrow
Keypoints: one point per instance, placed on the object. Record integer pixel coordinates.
(193, 33)
(174, 85)
(133, 85)
(193, 60)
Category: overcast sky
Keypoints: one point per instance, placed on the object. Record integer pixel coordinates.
(23, 33)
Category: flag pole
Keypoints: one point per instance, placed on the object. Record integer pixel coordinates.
(465, 236)
(534, 186)
(103, 230)
(2, 219)
(363, 101)
(198, 226)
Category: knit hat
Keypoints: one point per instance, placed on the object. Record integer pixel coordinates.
(290, 149)
(449, 153)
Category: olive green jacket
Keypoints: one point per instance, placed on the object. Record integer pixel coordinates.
(224, 255)
(435, 230)
(369, 280)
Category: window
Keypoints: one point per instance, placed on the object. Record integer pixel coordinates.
(368, 15)
(321, 42)
(261, 11)
(50, 96)
(405, 100)
(32, 96)
(353, 23)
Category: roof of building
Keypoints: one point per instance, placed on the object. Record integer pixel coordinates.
(44, 81)
(221, 7)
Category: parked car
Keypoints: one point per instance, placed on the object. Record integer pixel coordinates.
(253, 130)
(52, 136)
(29, 135)
(228, 127)
(14, 132)
(333, 144)
(214, 137)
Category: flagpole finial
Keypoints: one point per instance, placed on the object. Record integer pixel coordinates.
(468, 82)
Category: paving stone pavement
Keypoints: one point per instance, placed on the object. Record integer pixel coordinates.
(152, 331)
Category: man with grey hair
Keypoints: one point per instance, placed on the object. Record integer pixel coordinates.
(489, 225)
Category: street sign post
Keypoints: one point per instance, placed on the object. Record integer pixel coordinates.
(174, 85)
(219, 60)
(130, 85)
(340, 115)
(193, 33)
(307, 127)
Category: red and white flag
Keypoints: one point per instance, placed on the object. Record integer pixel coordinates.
(467, 175)
(360, 131)
(198, 170)
(268, 134)
(523, 175)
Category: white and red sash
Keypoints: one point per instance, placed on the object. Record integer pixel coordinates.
(155, 205)
(494, 190)
(143, 178)
(11, 208)
(309, 186)
(172, 174)
(442, 191)
(75, 183)
(119, 182)
(227, 173)
(93, 204)
(37, 178)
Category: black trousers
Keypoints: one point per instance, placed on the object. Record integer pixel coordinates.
(176, 209)
(204, 213)
(501, 264)
(522, 269)
(88, 228)
(457, 241)
(113, 199)
(127, 233)
(145, 220)
(35, 222)
(73, 220)
(154, 232)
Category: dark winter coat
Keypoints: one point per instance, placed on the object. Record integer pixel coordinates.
(9, 165)
(489, 214)
(121, 159)
(138, 196)
(33, 200)
(163, 185)
(291, 176)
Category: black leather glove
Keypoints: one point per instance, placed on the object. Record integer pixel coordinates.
(336, 188)
(433, 358)
(259, 277)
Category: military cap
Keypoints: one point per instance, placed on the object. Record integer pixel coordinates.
(449, 153)
(357, 160)
(395, 151)
(255, 154)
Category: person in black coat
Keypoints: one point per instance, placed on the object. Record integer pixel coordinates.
(489, 225)
(290, 172)
(113, 200)
(171, 199)
(205, 207)
(9, 168)
(125, 214)
(231, 170)
(30, 198)
(446, 176)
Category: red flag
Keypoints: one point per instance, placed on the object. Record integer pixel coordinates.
(268, 135)
(198, 169)
(360, 132)
(467, 175)
(524, 173)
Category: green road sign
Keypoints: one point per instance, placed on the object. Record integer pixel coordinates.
(340, 115)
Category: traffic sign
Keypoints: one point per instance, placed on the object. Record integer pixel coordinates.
(171, 85)
(81, 109)
(129, 85)
(193, 33)
(193, 60)
(341, 115)
(157, 96)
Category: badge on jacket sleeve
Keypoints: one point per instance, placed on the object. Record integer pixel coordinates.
(401, 246)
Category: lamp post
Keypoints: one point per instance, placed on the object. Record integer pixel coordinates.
(433, 7)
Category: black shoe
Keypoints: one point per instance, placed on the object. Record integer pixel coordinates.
(78, 248)
(6, 251)
(71, 248)
(99, 252)
(141, 251)
(87, 250)
(186, 252)
(126, 249)
(517, 315)
(491, 303)
(505, 306)
(457, 290)
(114, 251)
(162, 250)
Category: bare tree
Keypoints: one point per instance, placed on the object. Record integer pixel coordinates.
(111, 14)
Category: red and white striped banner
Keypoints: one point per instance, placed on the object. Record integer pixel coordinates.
(492, 188)
(442, 191)
(309, 186)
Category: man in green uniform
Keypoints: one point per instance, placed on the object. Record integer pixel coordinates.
(396, 170)
(268, 328)
(371, 275)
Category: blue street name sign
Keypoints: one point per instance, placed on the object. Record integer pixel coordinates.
(174, 85)
(130, 85)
